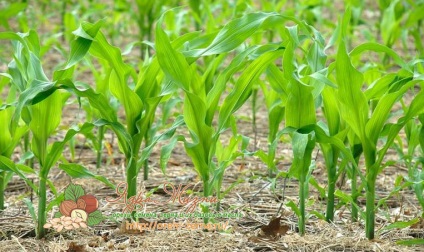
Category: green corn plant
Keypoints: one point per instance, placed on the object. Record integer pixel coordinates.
(12, 10)
(300, 112)
(139, 101)
(335, 128)
(330, 153)
(41, 107)
(300, 86)
(201, 102)
(355, 110)
(399, 19)
(196, 109)
(414, 139)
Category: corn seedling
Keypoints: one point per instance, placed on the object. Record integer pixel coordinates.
(139, 103)
(414, 140)
(40, 105)
(355, 110)
(199, 66)
(200, 103)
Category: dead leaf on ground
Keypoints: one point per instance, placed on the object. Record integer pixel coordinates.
(73, 247)
(274, 228)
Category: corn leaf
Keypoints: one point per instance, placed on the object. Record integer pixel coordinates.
(354, 106)
(243, 87)
(46, 116)
(79, 171)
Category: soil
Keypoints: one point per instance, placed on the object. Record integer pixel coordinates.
(252, 195)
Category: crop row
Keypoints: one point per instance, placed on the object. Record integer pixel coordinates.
(213, 75)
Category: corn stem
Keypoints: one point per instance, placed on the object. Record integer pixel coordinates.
(354, 190)
(302, 192)
(331, 188)
(41, 204)
(371, 175)
(2, 187)
(146, 162)
(370, 219)
(100, 137)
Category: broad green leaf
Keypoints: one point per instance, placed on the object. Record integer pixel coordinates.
(416, 107)
(401, 224)
(294, 207)
(31, 209)
(375, 47)
(214, 95)
(194, 117)
(46, 116)
(79, 171)
(233, 34)
(56, 202)
(5, 136)
(11, 10)
(277, 80)
(380, 114)
(8, 165)
(331, 110)
(238, 30)
(415, 15)
(300, 106)
(165, 154)
(118, 78)
(243, 87)
(173, 63)
(79, 48)
(164, 136)
(97, 100)
(132, 103)
(354, 106)
(27, 98)
(303, 145)
(57, 148)
(389, 25)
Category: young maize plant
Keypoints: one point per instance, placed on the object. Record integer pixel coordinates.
(300, 86)
(139, 103)
(202, 99)
(40, 106)
(400, 18)
(199, 104)
(354, 108)
(300, 112)
(414, 138)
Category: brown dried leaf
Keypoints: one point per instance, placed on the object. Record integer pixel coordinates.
(274, 228)
(73, 247)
